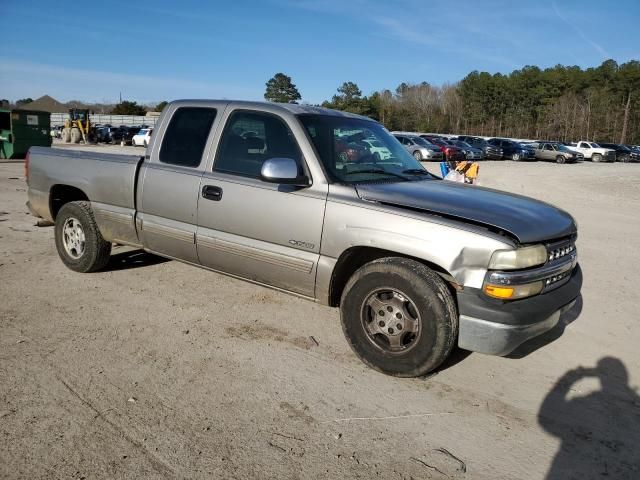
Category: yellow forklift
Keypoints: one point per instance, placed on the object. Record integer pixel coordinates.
(78, 127)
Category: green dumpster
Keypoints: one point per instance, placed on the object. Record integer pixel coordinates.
(21, 129)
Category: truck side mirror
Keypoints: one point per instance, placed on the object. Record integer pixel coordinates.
(283, 171)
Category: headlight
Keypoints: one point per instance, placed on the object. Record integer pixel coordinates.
(520, 258)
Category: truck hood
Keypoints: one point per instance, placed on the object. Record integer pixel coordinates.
(526, 219)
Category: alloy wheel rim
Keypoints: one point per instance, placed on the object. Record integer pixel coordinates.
(73, 238)
(391, 320)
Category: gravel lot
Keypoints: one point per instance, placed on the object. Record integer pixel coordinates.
(156, 369)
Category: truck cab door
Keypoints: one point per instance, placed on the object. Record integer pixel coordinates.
(260, 231)
(170, 181)
(584, 147)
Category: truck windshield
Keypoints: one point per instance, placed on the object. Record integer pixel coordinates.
(355, 150)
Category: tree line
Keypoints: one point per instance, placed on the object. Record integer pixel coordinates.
(558, 103)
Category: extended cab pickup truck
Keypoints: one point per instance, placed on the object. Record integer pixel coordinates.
(261, 191)
(594, 152)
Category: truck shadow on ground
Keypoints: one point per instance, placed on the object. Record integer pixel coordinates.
(552, 335)
(132, 259)
(599, 431)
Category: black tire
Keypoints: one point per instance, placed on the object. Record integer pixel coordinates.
(431, 303)
(417, 155)
(596, 157)
(561, 159)
(96, 250)
(145, 146)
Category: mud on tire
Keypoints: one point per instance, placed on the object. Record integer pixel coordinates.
(398, 297)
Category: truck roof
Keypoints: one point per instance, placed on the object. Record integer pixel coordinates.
(292, 108)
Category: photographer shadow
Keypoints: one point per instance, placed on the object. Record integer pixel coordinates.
(600, 431)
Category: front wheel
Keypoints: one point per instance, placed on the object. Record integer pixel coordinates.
(399, 317)
(78, 240)
(515, 157)
(560, 159)
(596, 157)
(417, 155)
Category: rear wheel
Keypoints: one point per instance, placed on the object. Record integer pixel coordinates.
(145, 146)
(399, 317)
(596, 157)
(78, 239)
(417, 155)
(560, 159)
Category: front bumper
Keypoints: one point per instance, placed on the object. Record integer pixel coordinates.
(433, 155)
(498, 327)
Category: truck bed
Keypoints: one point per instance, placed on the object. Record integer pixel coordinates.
(108, 180)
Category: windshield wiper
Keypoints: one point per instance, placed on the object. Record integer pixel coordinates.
(417, 171)
(378, 170)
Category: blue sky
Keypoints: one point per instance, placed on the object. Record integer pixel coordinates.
(156, 50)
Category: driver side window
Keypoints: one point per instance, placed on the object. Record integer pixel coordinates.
(250, 138)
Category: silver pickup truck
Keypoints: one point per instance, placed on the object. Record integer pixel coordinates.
(292, 197)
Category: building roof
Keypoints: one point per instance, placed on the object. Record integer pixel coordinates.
(45, 104)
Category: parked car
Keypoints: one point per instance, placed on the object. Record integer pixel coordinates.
(556, 152)
(420, 148)
(415, 263)
(594, 152)
(378, 149)
(490, 151)
(512, 150)
(124, 134)
(347, 150)
(56, 131)
(470, 152)
(623, 153)
(451, 152)
(142, 138)
(105, 134)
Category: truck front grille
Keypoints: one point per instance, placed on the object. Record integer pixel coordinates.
(559, 251)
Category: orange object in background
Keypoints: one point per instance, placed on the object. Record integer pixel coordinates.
(470, 170)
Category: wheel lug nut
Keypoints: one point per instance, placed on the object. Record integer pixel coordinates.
(398, 315)
(381, 313)
(390, 330)
(389, 309)
(381, 323)
(399, 327)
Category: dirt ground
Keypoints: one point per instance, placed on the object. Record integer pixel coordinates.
(156, 369)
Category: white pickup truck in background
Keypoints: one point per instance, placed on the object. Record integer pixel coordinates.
(594, 152)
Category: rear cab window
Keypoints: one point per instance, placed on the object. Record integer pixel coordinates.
(186, 136)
